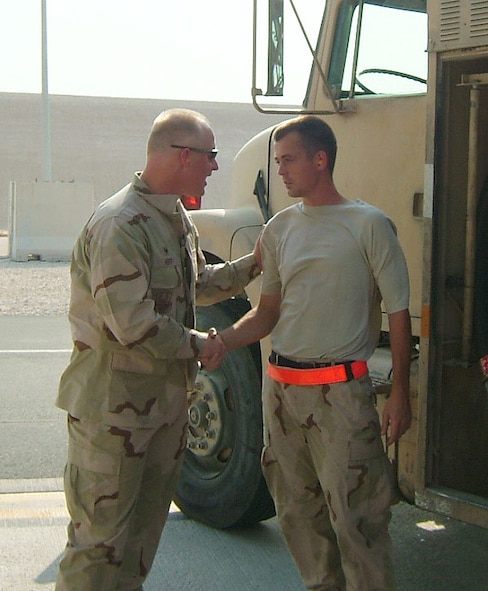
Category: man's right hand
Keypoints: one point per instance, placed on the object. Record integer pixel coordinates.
(214, 351)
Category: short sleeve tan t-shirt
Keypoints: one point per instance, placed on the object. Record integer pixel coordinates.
(332, 265)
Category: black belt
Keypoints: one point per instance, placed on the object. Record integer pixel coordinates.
(281, 361)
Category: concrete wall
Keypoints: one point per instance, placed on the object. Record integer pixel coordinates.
(101, 141)
(46, 218)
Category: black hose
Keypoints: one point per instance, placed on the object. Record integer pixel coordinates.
(480, 310)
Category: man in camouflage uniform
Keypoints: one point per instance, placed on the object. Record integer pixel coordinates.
(326, 260)
(137, 273)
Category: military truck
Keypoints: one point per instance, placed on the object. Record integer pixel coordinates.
(404, 85)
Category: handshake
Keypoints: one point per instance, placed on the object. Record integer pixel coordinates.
(214, 351)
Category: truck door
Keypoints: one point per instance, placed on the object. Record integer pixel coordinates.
(455, 474)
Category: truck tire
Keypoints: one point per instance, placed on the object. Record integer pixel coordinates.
(221, 483)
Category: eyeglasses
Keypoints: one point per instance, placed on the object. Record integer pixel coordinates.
(212, 154)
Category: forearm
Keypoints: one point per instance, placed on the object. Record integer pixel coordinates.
(245, 331)
(401, 350)
(221, 281)
(397, 415)
(255, 325)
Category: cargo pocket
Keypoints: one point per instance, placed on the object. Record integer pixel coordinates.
(135, 387)
(370, 474)
(365, 449)
(92, 485)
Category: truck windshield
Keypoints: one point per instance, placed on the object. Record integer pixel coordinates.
(387, 55)
(365, 47)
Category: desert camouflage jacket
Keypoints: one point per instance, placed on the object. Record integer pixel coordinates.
(137, 273)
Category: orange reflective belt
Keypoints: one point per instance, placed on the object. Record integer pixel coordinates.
(320, 375)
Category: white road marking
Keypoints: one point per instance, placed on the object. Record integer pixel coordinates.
(17, 351)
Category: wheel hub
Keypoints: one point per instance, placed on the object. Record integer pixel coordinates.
(205, 417)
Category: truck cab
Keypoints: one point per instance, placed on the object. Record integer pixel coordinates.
(396, 80)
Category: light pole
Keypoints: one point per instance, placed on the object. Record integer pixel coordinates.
(46, 115)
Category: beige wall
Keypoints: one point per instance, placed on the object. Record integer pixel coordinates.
(102, 140)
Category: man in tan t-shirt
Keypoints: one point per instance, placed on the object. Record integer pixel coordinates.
(327, 264)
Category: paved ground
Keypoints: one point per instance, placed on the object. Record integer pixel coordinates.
(432, 553)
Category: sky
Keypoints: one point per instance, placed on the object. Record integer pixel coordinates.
(163, 49)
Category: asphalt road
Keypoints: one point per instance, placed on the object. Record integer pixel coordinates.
(33, 353)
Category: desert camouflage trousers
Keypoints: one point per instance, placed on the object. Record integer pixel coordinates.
(331, 481)
(119, 483)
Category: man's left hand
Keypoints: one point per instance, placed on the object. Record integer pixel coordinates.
(397, 416)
